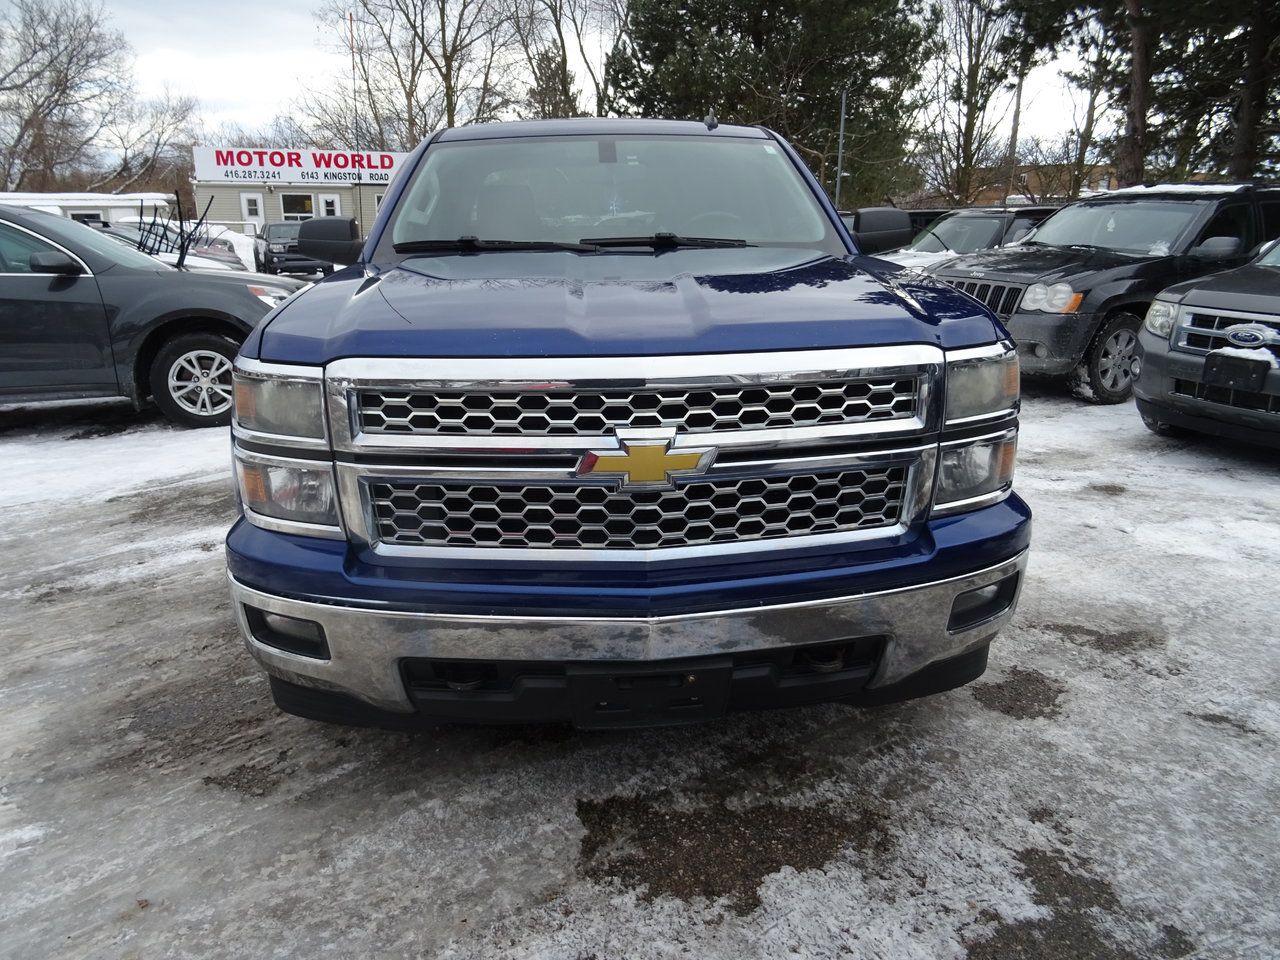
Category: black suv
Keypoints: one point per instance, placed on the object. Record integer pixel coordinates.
(1210, 354)
(83, 315)
(1074, 292)
(276, 250)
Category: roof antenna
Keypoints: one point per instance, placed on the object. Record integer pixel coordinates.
(710, 120)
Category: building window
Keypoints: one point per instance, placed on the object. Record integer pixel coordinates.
(297, 206)
(377, 200)
(251, 209)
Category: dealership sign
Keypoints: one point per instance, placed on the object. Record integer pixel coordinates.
(284, 165)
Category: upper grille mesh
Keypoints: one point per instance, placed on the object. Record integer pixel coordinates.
(459, 514)
(687, 409)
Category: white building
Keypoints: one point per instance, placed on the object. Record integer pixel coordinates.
(107, 207)
(257, 185)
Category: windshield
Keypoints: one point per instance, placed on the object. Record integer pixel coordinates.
(1272, 257)
(109, 248)
(565, 189)
(1146, 227)
(960, 235)
(283, 231)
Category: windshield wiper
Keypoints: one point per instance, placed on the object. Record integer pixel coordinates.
(664, 241)
(476, 245)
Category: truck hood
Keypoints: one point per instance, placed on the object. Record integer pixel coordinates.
(536, 303)
(1026, 263)
(1251, 288)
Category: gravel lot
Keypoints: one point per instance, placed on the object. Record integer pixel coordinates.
(1108, 789)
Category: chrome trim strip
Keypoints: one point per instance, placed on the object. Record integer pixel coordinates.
(990, 350)
(258, 368)
(973, 503)
(456, 373)
(293, 526)
(279, 440)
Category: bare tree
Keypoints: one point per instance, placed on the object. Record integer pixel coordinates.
(64, 75)
(962, 151)
(145, 141)
(539, 31)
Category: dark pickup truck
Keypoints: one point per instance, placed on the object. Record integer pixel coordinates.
(1074, 292)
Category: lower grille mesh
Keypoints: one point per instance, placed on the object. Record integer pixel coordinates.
(575, 516)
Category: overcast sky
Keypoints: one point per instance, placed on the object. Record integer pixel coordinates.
(246, 60)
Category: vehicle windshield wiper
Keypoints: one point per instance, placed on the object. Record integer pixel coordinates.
(476, 245)
(664, 241)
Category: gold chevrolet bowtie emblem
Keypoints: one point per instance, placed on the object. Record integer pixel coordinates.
(645, 462)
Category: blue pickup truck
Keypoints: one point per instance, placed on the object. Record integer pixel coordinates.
(608, 422)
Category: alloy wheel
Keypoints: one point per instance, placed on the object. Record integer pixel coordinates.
(200, 383)
(1117, 360)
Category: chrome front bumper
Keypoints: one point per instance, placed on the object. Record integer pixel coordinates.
(366, 645)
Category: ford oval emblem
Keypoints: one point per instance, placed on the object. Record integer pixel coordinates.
(1246, 335)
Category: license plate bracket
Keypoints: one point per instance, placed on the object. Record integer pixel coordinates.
(612, 695)
(1235, 373)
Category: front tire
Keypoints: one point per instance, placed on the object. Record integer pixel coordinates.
(191, 379)
(1107, 372)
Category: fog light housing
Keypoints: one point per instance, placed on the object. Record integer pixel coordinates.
(982, 604)
(305, 638)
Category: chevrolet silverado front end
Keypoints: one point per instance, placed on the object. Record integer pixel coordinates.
(644, 442)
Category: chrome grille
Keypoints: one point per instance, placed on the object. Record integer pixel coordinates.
(696, 512)
(1206, 329)
(1001, 298)
(535, 412)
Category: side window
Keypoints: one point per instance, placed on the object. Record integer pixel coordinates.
(1232, 221)
(16, 249)
(1271, 220)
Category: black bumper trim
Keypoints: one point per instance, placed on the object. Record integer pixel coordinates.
(1212, 426)
(545, 699)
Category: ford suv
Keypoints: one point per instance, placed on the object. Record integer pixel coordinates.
(608, 422)
(1075, 291)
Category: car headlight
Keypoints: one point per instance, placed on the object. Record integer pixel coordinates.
(277, 247)
(271, 296)
(293, 491)
(1160, 317)
(975, 473)
(279, 403)
(1058, 298)
(981, 383)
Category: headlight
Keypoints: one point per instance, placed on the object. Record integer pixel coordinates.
(981, 385)
(295, 491)
(975, 473)
(271, 296)
(277, 247)
(1059, 298)
(1160, 317)
(279, 404)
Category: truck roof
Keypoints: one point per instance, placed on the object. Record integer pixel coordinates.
(595, 126)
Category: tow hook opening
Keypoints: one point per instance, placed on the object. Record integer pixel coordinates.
(975, 607)
(305, 638)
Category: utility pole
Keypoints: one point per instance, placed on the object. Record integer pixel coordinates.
(1013, 136)
(844, 92)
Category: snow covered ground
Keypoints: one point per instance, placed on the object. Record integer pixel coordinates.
(1107, 790)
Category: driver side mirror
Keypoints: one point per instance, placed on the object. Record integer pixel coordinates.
(55, 262)
(331, 239)
(1217, 248)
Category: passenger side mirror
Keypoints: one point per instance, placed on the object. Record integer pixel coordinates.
(331, 239)
(877, 229)
(55, 262)
(1217, 248)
